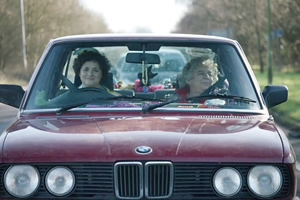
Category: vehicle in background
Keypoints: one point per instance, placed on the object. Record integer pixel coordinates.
(172, 61)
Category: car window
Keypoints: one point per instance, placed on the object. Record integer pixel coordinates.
(139, 84)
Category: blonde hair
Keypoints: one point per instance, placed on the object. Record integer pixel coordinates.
(188, 69)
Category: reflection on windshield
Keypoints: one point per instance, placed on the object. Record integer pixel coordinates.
(182, 72)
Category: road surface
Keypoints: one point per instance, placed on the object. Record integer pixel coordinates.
(7, 115)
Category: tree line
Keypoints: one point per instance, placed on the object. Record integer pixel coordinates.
(44, 20)
(244, 20)
(247, 21)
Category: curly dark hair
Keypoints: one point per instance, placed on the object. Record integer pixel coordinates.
(86, 56)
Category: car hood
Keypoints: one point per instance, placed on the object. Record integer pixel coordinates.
(195, 139)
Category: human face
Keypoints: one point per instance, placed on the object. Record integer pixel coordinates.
(201, 80)
(90, 74)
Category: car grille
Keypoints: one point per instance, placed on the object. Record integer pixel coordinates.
(130, 180)
(158, 179)
(146, 180)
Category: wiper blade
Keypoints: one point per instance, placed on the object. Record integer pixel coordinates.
(154, 106)
(224, 96)
(70, 106)
(210, 96)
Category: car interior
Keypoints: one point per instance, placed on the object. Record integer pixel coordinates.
(156, 76)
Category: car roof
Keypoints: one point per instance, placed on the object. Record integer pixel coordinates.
(146, 37)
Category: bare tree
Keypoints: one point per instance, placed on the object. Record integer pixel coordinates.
(248, 21)
(10, 39)
(48, 19)
(286, 18)
(44, 20)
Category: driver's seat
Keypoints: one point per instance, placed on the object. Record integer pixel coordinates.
(105, 81)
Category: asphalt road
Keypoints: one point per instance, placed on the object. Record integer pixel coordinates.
(8, 114)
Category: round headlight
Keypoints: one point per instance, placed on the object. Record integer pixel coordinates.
(60, 181)
(227, 181)
(265, 181)
(21, 180)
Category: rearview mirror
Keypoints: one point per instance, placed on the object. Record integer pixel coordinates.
(139, 57)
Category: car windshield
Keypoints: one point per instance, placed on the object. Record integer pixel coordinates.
(122, 76)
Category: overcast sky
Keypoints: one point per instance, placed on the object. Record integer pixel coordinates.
(156, 16)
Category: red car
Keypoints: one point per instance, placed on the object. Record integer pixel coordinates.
(144, 139)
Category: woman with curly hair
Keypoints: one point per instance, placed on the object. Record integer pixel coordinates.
(91, 67)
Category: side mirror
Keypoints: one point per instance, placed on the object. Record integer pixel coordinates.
(138, 57)
(275, 94)
(11, 95)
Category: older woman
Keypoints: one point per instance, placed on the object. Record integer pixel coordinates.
(197, 76)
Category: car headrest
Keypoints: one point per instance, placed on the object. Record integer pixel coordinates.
(105, 81)
(179, 83)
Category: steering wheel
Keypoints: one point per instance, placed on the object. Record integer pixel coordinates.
(103, 91)
(79, 94)
(92, 89)
(218, 84)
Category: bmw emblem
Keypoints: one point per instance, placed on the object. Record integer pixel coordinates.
(143, 150)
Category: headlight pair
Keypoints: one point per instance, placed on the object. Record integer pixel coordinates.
(263, 181)
(22, 181)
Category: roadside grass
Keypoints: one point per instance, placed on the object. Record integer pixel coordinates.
(288, 112)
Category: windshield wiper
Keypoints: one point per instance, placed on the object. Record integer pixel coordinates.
(154, 106)
(223, 96)
(210, 96)
(70, 106)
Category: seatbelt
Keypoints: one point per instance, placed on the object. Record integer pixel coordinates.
(68, 83)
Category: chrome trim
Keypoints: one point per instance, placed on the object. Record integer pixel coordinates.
(155, 180)
(130, 186)
(147, 149)
(224, 117)
(163, 179)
